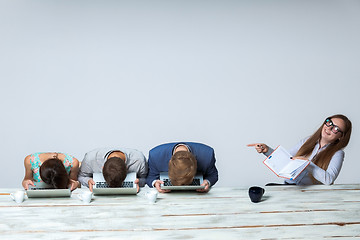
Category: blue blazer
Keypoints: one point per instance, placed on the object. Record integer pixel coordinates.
(160, 156)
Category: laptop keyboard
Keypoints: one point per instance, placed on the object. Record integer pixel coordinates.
(126, 184)
(36, 188)
(195, 182)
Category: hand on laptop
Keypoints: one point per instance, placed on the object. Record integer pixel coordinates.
(137, 184)
(207, 187)
(26, 184)
(91, 183)
(74, 184)
(157, 185)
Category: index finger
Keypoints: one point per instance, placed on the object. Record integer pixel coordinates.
(252, 144)
(91, 185)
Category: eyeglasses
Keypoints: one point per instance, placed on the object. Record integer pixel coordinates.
(335, 129)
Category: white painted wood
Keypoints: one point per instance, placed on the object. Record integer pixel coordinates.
(290, 212)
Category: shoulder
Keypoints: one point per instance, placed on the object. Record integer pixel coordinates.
(163, 147)
(75, 162)
(32, 161)
(134, 153)
(161, 154)
(95, 154)
(200, 146)
(32, 158)
(96, 150)
(340, 154)
(28, 158)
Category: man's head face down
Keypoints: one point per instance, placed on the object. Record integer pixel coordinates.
(114, 171)
(182, 168)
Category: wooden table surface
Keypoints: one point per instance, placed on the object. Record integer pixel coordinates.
(286, 212)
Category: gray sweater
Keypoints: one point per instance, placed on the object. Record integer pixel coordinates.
(94, 161)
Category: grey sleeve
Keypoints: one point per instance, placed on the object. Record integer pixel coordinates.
(86, 171)
(143, 170)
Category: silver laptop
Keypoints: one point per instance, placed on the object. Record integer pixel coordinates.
(197, 181)
(102, 188)
(43, 190)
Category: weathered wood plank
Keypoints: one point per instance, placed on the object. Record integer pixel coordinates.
(330, 212)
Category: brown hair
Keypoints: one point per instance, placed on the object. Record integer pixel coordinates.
(323, 158)
(182, 168)
(114, 171)
(53, 172)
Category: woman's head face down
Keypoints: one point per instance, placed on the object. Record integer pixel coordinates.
(53, 172)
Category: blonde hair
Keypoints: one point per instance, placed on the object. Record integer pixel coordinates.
(182, 168)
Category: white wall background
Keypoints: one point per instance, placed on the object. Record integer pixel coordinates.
(76, 75)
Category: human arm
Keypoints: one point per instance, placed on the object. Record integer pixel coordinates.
(28, 178)
(74, 174)
(211, 175)
(143, 174)
(154, 173)
(205, 183)
(153, 177)
(137, 184)
(91, 184)
(157, 184)
(329, 175)
(86, 172)
(139, 160)
(261, 148)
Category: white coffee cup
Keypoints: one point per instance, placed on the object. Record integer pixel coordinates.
(152, 196)
(86, 197)
(18, 196)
